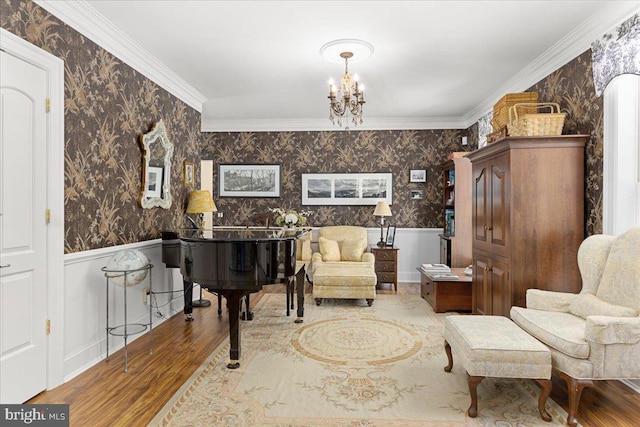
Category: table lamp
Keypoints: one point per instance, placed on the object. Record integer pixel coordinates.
(200, 201)
(382, 209)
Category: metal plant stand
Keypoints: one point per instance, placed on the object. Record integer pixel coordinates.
(126, 329)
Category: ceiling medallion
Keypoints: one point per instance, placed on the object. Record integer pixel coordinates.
(347, 99)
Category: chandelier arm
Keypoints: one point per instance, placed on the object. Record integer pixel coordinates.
(339, 108)
(355, 107)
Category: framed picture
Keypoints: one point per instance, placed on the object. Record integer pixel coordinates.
(248, 180)
(417, 194)
(418, 175)
(154, 182)
(391, 235)
(346, 188)
(189, 171)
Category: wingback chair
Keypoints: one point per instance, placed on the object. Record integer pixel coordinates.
(343, 267)
(593, 335)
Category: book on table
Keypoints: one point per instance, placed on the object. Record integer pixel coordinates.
(435, 268)
(444, 267)
(443, 276)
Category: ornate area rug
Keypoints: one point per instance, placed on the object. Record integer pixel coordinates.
(347, 365)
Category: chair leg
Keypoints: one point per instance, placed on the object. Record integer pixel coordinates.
(574, 390)
(473, 382)
(542, 400)
(447, 349)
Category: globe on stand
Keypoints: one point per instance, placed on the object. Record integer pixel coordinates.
(125, 261)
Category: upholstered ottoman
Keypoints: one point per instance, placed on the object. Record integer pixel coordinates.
(352, 282)
(494, 346)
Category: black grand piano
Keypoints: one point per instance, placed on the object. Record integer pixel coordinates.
(235, 262)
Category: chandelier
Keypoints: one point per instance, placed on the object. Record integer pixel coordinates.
(347, 98)
(351, 96)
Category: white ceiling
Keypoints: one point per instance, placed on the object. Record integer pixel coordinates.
(436, 64)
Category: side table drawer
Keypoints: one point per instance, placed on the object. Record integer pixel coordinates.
(386, 277)
(385, 266)
(385, 255)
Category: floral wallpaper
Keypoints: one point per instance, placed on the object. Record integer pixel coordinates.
(339, 152)
(108, 105)
(573, 88)
(616, 53)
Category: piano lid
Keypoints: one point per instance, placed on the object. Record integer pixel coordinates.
(242, 234)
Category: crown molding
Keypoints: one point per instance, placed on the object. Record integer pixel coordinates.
(565, 50)
(85, 19)
(89, 22)
(315, 124)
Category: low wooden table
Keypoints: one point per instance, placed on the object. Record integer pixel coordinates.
(447, 295)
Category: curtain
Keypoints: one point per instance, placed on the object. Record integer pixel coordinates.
(616, 53)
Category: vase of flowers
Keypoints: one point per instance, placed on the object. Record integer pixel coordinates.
(290, 218)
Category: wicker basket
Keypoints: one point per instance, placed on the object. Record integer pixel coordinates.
(501, 108)
(535, 124)
(499, 134)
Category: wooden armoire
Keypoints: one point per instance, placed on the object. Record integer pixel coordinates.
(527, 219)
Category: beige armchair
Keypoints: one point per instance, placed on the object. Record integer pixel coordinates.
(303, 252)
(593, 335)
(343, 267)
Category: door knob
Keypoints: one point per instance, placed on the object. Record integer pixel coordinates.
(5, 266)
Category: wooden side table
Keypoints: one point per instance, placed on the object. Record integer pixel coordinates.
(386, 265)
(445, 295)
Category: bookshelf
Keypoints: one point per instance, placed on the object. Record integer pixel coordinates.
(456, 240)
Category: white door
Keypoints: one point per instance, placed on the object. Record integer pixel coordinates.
(23, 237)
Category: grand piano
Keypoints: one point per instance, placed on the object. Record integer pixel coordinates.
(235, 262)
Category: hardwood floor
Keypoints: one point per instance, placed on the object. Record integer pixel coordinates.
(104, 395)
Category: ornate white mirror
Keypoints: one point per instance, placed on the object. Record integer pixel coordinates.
(156, 168)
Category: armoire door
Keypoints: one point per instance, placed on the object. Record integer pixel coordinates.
(481, 290)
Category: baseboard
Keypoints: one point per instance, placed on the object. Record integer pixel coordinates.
(84, 320)
(85, 282)
(94, 353)
(632, 384)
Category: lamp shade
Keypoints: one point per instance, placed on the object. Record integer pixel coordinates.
(382, 209)
(200, 201)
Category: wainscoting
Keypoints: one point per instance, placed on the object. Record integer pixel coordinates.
(85, 292)
(85, 303)
(416, 246)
